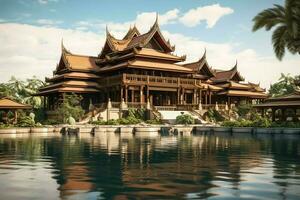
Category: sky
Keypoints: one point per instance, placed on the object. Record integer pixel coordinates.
(31, 32)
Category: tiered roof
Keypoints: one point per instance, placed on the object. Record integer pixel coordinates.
(290, 100)
(7, 103)
(148, 51)
(229, 75)
(201, 68)
(74, 73)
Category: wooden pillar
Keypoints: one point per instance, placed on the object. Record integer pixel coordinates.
(16, 117)
(195, 96)
(141, 94)
(121, 93)
(206, 97)
(209, 97)
(283, 118)
(126, 93)
(132, 96)
(200, 96)
(178, 96)
(273, 114)
(147, 93)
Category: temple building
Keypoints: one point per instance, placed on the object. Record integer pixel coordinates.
(141, 68)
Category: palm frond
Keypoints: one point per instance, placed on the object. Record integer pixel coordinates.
(279, 42)
(269, 18)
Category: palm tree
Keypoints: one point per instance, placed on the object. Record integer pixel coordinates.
(286, 21)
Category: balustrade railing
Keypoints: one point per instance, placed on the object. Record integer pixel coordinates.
(145, 79)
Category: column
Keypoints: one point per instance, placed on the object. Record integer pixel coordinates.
(141, 94)
(126, 93)
(273, 114)
(195, 96)
(209, 97)
(147, 93)
(178, 96)
(206, 97)
(121, 93)
(132, 96)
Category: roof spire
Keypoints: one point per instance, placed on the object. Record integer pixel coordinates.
(204, 55)
(235, 66)
(63, 48)
(156, 19)
(106, 29)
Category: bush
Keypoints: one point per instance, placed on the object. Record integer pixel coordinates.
(71, 107)
(259, 122)
(51, 122)
(112, 122)
(185, 119)
(26, 121)
(153, 121)
(215, 116)
(243, 109)
(99, 122)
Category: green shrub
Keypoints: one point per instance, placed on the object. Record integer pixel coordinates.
(215, 116)
(70, 107)
(230, 123)
(26, 121)
(261, 122)
(99, 122)
(185, 119)
(244, 109)
(51, 122)
(112, 122)
(154, 121)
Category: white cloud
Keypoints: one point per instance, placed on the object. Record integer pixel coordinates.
(211, 14)
(254, 67)
(36, 52)
(48, 22)
(143, 21)
(46, 1)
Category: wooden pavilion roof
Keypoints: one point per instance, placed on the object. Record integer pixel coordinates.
(74, 62)
(243, 93)
(73, 75)
(133, 39)
(7, 103)
(143, 64)
(278, 104)
(201, 67)
(225, 76)
(289, 97)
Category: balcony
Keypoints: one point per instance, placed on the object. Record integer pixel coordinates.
(133, 79)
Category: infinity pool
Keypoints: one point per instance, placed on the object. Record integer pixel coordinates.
(114, 166)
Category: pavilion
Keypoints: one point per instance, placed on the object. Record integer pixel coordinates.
(282, 107)
(7, 104)
(141, 68)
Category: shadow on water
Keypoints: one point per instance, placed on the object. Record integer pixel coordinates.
(123, 166)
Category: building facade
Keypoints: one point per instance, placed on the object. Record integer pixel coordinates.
(141, 68)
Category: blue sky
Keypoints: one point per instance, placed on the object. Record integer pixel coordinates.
(87, 19)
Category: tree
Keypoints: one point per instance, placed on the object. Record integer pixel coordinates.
(286, 23)
(23, 91)
(286, 84)
(70, 107)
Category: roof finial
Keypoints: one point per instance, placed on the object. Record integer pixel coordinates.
(63, 48)
(236, 63)
(204, 55)
(156, 20)
(106, 29)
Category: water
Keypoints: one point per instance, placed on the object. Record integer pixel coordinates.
(110, 166)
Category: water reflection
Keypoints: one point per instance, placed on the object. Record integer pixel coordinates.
(122, 166)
